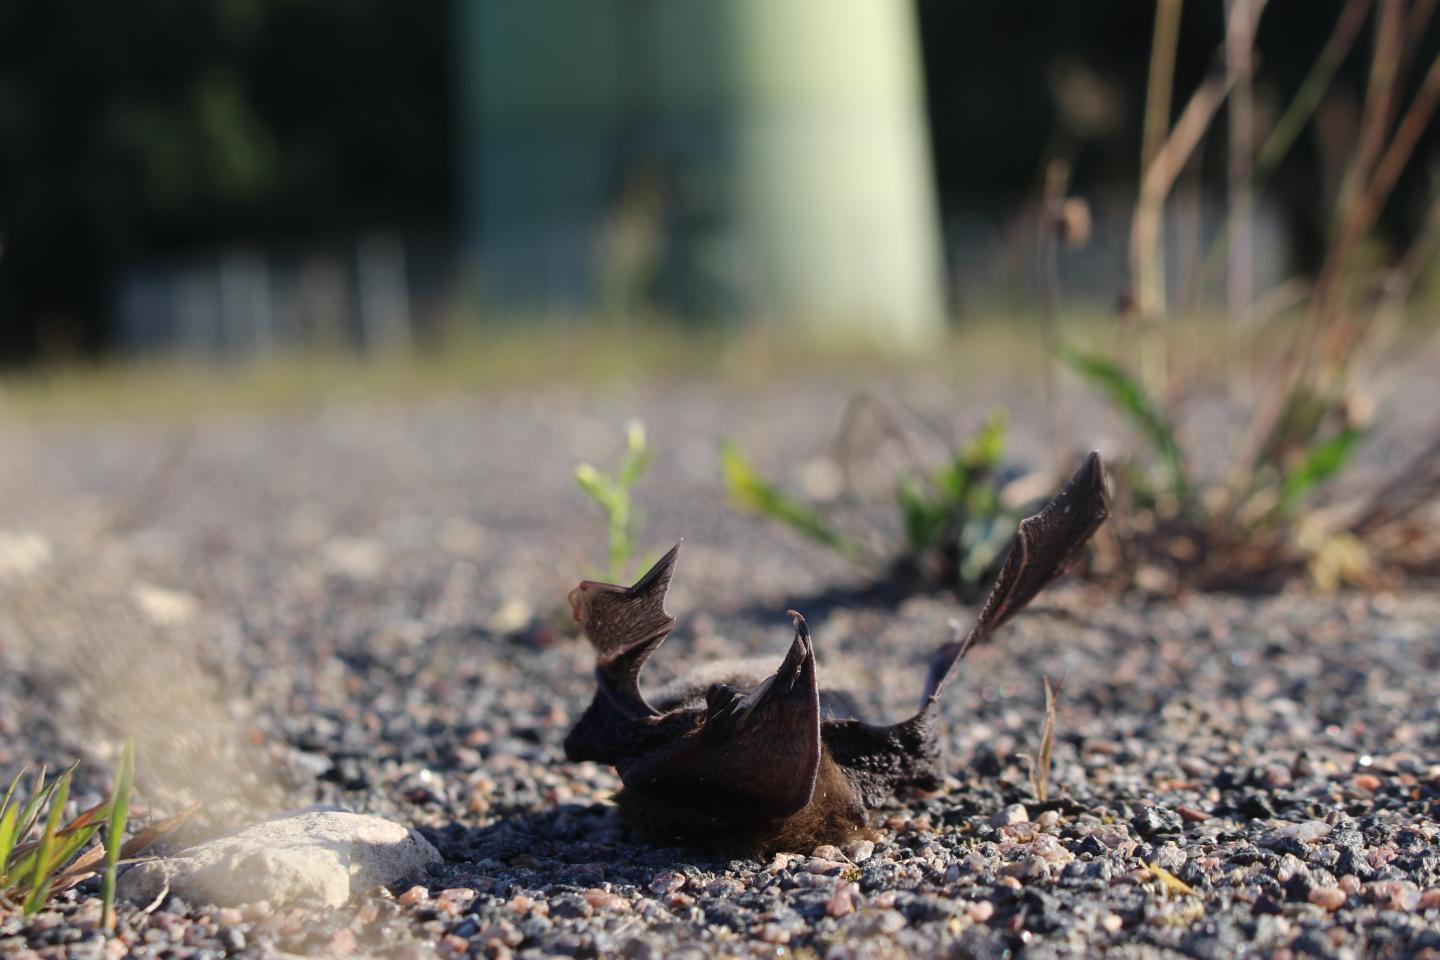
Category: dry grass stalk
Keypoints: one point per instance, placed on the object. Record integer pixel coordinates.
(1149, 273)
(1322, 351)
(1241, 19)
(1039, 764)
(1051, 234)
(1157, 182)
(1170, 883)
(91, 861)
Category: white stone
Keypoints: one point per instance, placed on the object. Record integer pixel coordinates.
(1011, 815)
(355, 557)
(1307, 831)
(22, 553)
(166, 608)
(323, 855)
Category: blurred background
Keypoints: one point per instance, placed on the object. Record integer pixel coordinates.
(233, 180)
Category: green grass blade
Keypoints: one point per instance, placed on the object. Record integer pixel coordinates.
(10, 794)
(612, 495)
(31, 811)
(985, 450)
(752, 492)
(1322, 461)
(115, 834)
(923, 518)
(40, 878)
(7, 844)
(1126, 394)
(67, 845)
(595, 485)
(638, 455)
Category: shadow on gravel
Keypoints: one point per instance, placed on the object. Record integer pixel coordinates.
(883, 594)
(572, 846)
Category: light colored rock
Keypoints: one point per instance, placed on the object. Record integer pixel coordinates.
(355, 557)
(1011, 815)
(22, 553)
(1308, 831)
(164, 607)
(324, 855)
(860, 851)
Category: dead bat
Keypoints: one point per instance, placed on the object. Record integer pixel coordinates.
(749, 764)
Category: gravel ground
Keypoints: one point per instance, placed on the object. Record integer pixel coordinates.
(366, 607)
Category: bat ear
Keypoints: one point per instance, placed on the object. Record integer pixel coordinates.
(1044, 548)
(626, 625)
(757, 755)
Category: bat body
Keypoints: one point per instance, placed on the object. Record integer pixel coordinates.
(748, 763)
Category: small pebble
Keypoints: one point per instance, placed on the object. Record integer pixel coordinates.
(452, 946)
(825, 867)
(341, 943)
(1276, 775)
(772, 933)
(842, 902)
(1367, 782)
(461, 895)
(416, 894)
(1328, 898)
(1013, 814)
(860, 851)
(666, 882)
(605, 900)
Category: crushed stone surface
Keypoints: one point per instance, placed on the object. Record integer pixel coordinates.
(365, 607)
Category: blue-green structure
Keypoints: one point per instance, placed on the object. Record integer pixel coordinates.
(760, 160)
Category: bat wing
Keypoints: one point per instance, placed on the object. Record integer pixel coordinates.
(1044, 548)
(882, 759)
(626, 625)
(756, 755)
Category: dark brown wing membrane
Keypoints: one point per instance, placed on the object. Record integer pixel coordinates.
(626, 625)
(756, 756)
(1044, 548)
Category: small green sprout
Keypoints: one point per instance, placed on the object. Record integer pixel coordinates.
(33, 869)
(752, 493)
(1126, 395)
(28, 867)
(612, 494)
(115, 832)
(952, 518)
